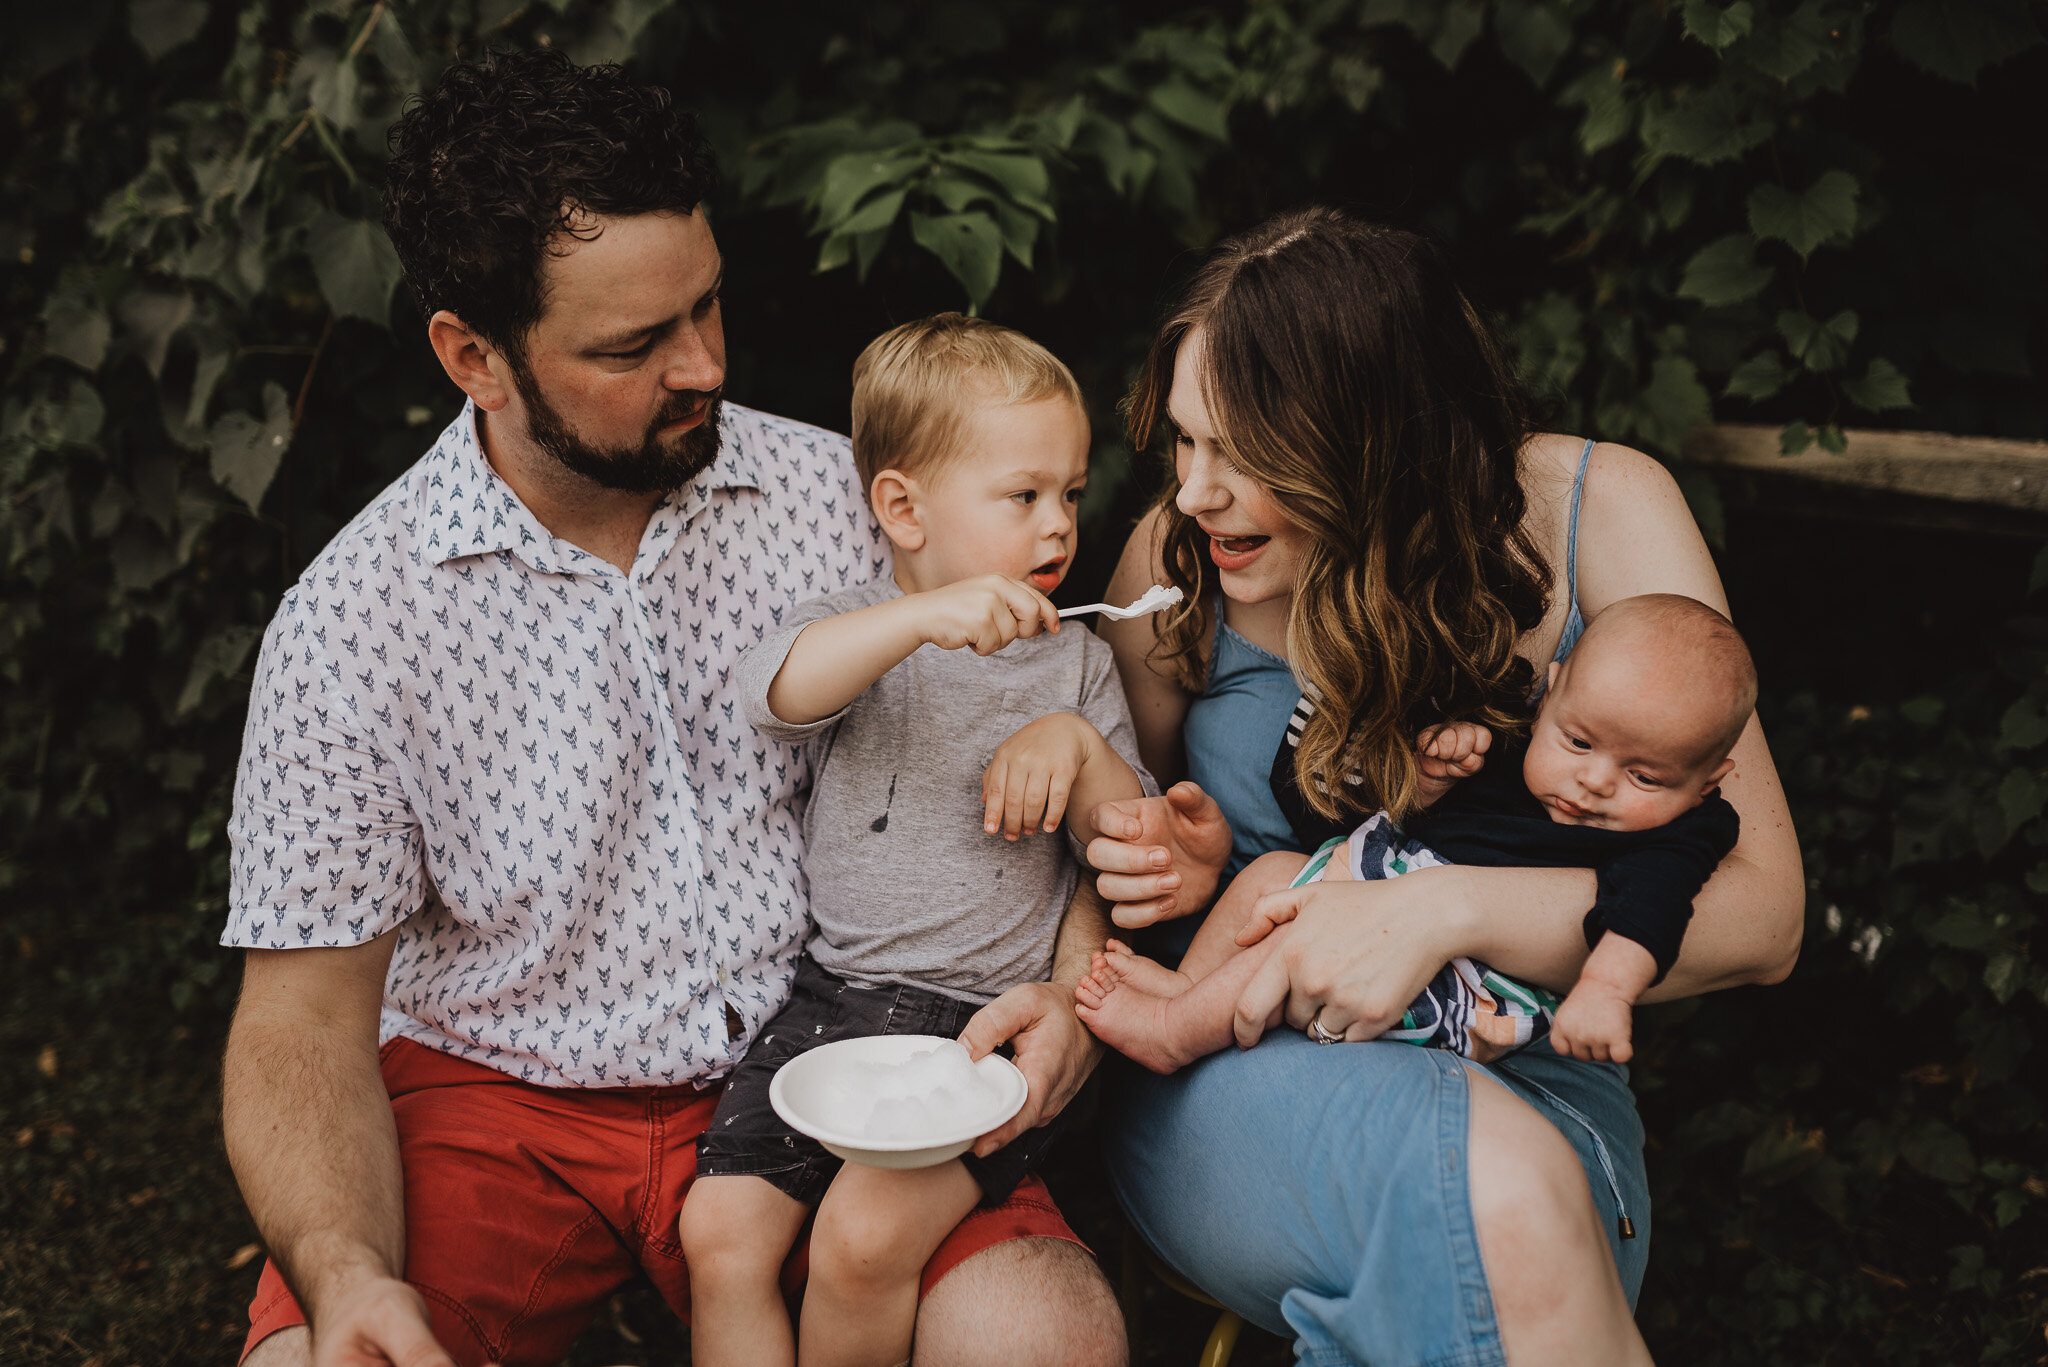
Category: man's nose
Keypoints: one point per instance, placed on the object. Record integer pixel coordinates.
(693, 365)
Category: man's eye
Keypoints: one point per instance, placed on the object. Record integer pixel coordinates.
(706, 304)
(635, 354)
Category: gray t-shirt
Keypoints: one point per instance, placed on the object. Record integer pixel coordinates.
(905, 886)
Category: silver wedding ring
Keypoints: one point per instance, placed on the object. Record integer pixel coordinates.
(1317, 1033)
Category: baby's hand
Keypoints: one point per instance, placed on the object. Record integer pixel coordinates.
(1444, 754)
(985, 613)
(1025, 786)
(1593, 1025)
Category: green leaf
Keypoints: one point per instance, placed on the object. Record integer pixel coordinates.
(1717, 27)
(1758, 378)
(150, 317)
(218, 657)
(76, 326)
(1882, 387)
(2021, 798)
(1458, 28)
(1922, 711)
(1956, 39)
(1832, 439)
(1534, 36)
(1724, 272)
(2025, 724)
(1715, 125)
(1673, 403)
(852, 176)
(1963, 927)
(1784, 47)
(1022, 175)
(970, 245)
(1817, 345)
(878, 212)
(158, 26)
(1778, 1155)
(1191, 109)
(1796, 437)
(245, 452)
(1610, 114)
(1938, 1151)
(355, 265)
(1825, 211)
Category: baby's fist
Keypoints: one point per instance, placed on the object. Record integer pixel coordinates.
(1452, 751)
(1593, 1027)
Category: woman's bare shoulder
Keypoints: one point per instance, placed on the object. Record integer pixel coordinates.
(1637, 534)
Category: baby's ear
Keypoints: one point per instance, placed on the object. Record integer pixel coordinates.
(894, 498)
(1720, 772)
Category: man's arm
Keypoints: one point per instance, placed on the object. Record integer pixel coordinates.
(314, 1148)
(1053, 1049)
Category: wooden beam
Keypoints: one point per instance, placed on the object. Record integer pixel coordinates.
(1991, 470)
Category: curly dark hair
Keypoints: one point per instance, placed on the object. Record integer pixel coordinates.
(500, 161)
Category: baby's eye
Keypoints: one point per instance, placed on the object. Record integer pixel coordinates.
(1579, 742)
(1027, 497)
(1645, 780)
(1074, 496)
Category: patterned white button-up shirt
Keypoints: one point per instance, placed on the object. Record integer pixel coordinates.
(534, 767)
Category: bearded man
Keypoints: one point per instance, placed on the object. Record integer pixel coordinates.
(516, 884)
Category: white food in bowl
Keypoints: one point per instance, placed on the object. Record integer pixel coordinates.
(896, 1101)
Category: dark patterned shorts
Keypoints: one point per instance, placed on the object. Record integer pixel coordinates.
(747, 1138)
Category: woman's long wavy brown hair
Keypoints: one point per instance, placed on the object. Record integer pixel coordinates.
(1348, 374)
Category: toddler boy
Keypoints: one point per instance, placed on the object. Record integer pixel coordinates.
(1618, 775)
(974, 448)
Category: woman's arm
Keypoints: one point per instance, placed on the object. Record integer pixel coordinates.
(1637, 536)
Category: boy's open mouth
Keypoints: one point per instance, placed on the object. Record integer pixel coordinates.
(1046, 577)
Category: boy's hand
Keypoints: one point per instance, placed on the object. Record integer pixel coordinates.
(1593, 1025)
(1444, 754)
(1026, 785)
(985, 613)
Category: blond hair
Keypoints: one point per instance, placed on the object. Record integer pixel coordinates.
(914, 386)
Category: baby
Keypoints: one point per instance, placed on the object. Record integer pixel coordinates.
(1619, 775)
(974, 448)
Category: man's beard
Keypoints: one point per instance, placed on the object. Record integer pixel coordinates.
(657, 465)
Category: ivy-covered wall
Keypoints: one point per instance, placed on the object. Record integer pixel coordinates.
(1819, 214)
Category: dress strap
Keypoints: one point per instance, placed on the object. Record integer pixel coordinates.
(1571, 546)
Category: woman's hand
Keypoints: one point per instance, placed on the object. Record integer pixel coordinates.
(1357, 956)
(1159, 857)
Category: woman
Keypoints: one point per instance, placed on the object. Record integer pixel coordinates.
(1357, 500)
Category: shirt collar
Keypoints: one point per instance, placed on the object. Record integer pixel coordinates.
(471, 510)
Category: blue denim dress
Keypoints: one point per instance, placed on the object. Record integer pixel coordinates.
(1322, 1192)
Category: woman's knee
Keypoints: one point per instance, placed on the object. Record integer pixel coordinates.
(1528, 1190)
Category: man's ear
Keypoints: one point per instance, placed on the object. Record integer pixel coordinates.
(894, 496)
(468, 360)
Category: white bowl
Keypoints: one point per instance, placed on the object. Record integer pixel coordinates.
(795, 1090)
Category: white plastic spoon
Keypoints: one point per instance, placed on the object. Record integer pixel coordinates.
(1157, 597)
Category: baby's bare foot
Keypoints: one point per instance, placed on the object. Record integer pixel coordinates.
(1134, 969)
(1132, 1021)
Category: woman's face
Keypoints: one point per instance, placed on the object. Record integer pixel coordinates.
(1257, 550)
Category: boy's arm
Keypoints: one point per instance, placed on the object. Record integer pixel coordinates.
(1058, 767)
(834, 660)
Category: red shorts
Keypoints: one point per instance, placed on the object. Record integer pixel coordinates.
(527, 1207)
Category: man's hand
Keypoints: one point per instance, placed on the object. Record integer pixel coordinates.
(1444, 754)
(379, 1322)
(985, 613)
(1159, 857)
(1026, 784)
(1054, 1051)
